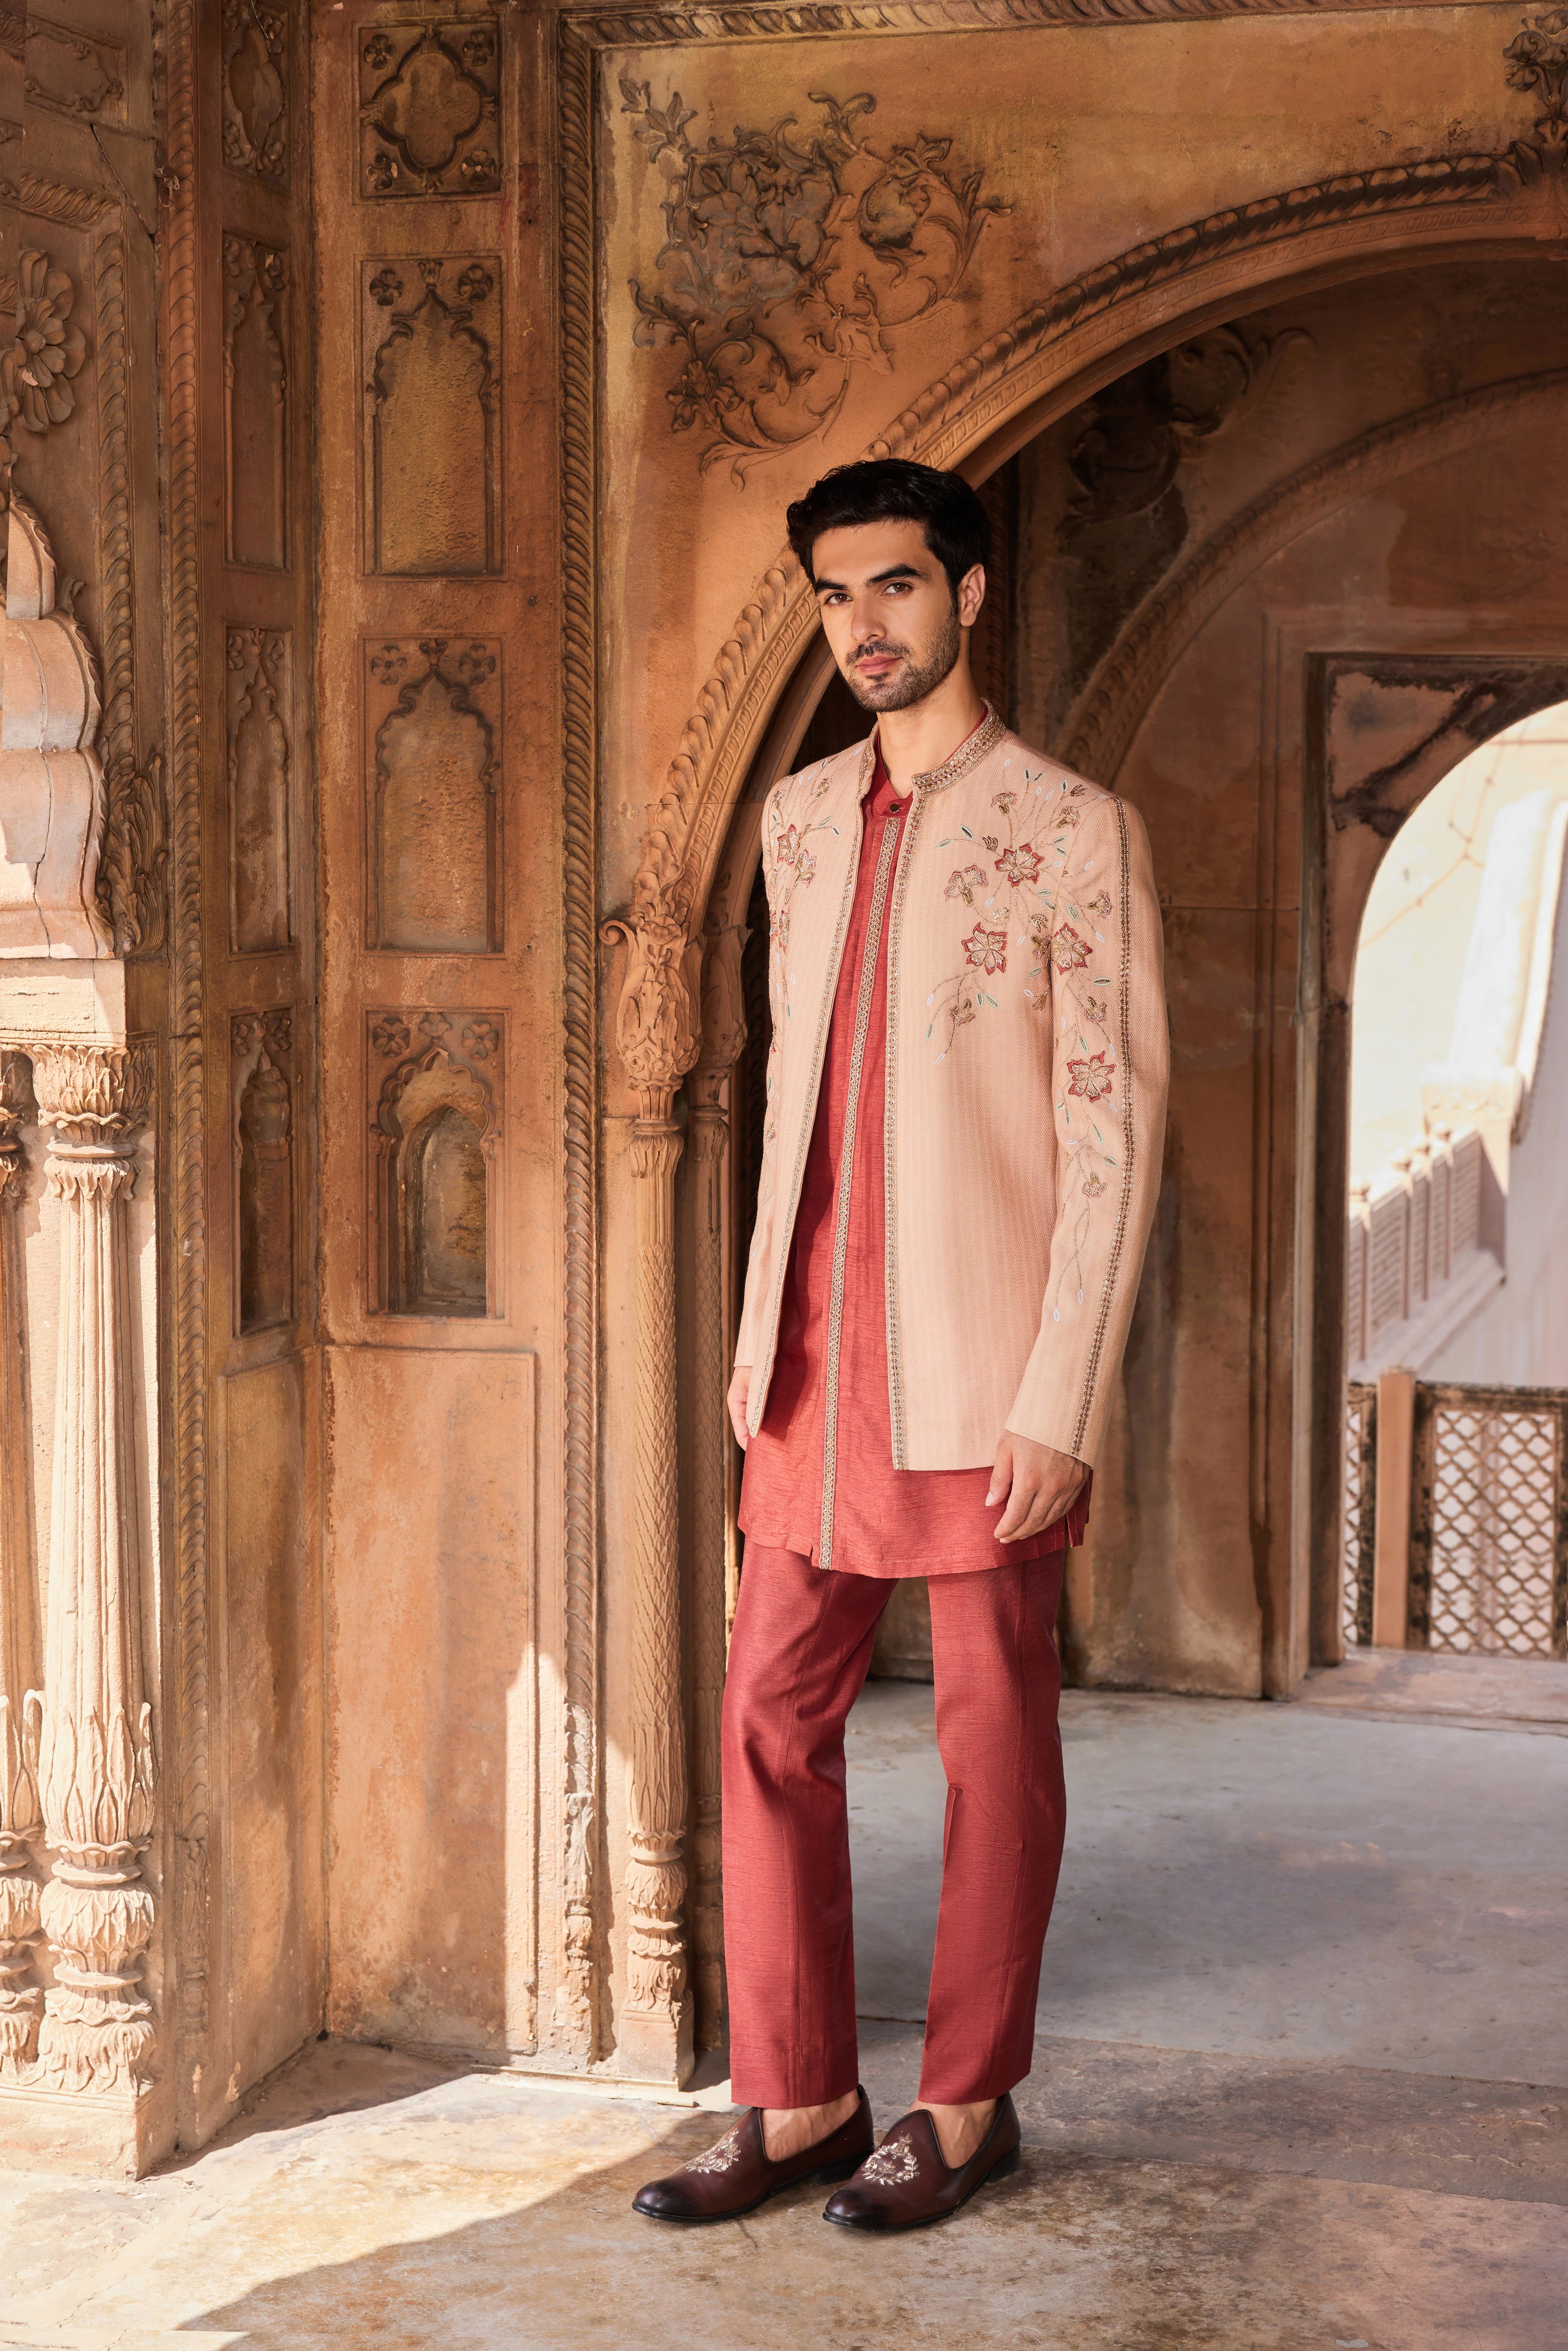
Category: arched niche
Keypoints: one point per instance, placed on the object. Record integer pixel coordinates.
(436, 1136)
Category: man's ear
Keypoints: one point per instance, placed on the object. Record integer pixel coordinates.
(971, 595)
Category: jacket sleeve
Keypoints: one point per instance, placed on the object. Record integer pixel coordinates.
(1111, 1060)
(760, 1264)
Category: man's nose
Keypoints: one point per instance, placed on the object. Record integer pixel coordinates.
(867, 620)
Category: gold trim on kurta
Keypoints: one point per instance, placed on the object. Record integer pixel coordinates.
(863, 1002)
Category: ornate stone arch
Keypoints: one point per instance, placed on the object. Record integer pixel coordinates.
(1018, 382)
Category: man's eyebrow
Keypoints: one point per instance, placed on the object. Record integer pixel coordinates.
(893, 572)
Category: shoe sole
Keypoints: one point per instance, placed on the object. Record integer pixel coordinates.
(827, 2171)
(1003, 2168)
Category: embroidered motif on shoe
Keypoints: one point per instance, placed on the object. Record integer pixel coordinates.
(719, 2156)
(893, 2163)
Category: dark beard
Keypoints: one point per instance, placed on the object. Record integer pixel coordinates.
(904, 688)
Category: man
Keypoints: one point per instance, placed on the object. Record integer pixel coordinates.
(965, 1102)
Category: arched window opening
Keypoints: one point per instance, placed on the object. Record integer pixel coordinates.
(1458, 1239)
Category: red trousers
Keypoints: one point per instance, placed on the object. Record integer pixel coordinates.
(801, 1644)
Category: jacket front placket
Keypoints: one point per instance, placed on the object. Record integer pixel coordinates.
(893, 864)
(923, 791)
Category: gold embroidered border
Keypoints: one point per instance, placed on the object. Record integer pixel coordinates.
(756, 1396)
(1125, 1028)
(969, 755)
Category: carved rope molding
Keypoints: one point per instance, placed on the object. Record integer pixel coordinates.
(97, 1770)
(819, 19)
(188, 1185)
(21, 1820)
(575, 2022)
(1107, 716)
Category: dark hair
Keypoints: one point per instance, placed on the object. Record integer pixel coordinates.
(893, 489)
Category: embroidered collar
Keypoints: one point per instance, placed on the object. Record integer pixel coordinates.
(969, 753)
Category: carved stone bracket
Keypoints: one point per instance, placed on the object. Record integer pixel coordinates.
(97, 1768)
(21, 1821)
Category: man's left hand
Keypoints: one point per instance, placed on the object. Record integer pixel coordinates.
(1041, 1486)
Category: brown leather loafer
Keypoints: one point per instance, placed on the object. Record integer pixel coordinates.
(907, 2184)
(736, 2175)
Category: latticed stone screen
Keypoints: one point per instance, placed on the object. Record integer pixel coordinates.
(1489, 1563)
(1360, 1510)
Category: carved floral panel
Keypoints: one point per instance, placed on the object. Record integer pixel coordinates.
(256, 91)
(791, 255)
(431, 333)
(258, 713)
(429, 108)
(263, 1076)
(76, 76)
(432, 766)
(255, 397)
(434, 1088)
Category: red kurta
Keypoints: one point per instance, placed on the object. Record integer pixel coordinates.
(886, 1521)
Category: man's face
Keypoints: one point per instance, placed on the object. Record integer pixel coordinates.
(889, 612)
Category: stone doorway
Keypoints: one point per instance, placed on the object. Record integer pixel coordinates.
(1269, 587)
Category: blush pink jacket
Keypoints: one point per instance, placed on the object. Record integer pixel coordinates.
(1026, 1065)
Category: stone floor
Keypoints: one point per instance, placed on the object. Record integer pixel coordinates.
(1301, 2080)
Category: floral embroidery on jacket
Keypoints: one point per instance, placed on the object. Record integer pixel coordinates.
(987, 950)
(1067, 951)
(958, 999)
(1021, 864)
(788, 866)
(1091, 1077)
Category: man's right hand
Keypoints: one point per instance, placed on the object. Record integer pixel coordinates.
(740, 1389)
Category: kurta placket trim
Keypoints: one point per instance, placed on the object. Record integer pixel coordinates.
(870, 953)
(964, 757)
(818, 1052)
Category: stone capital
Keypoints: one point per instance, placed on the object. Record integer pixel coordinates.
(93, 1094)
(655, 1020)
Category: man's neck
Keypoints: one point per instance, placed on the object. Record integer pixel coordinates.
(915, 740)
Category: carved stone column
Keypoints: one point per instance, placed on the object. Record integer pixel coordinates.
(97, 1772)
(21, 1823)
(723, 1035)
(656, 1037)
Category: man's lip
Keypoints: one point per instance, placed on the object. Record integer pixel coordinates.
(877, 660)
